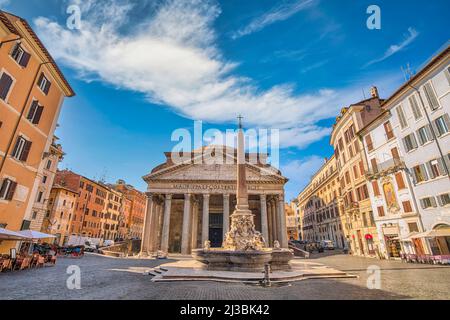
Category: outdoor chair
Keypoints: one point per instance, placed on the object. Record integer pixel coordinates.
(6, 265)
(40, 262)
(25, 263)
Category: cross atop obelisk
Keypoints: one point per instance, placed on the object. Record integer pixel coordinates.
(240, 117)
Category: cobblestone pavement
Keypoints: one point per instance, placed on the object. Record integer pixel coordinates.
(106, 278)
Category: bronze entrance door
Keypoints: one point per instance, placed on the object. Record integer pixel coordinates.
(216, 229)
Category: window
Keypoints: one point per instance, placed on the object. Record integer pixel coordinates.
(435, 168)
(395, 154)
(428, 202)
(388, 130)
(39, 198)
(5, 85)
(401, 117)
(35, 113)
(361, 168)
(400, 182)
(410, 142)
(415, 107)
(424, 134)
(442, 125)
(419, 174)
(376, 188)
(431, 97)
(374, 164)
(380, 211)
(444, 199)
(350, 151)
(20, 55)
(44, 179)
(412, 226)
(44, 84)
(347, 177)
(447, 74)
(369, 142)
(34, 215)
(355, 172)
(21, 149)
(7, 189)
(407, 206)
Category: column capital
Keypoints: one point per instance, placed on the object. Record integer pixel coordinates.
(169, 196)
(263, 197)
(206, 195)
(226, 195)
(149, 195)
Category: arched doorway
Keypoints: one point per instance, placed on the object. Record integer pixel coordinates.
(440, 239)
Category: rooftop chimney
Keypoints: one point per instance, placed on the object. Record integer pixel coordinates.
(374, 92)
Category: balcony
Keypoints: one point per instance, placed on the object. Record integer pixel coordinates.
(385, 168)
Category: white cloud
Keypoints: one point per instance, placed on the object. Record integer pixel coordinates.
(299, 173)
(4, 3)
(393, 49)
(171, 57)
(278, 13)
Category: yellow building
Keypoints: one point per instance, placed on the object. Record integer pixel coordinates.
(352, 166)
(32, 90)
(61, 208)
(318, 206)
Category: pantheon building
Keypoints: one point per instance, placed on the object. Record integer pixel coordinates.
(191, 201)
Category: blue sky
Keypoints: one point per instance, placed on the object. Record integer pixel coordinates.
(142, 69)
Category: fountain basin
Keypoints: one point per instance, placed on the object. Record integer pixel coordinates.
(243, 261)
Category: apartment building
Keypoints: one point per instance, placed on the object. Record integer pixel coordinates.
(113, 214)
(318, 206)
(138, 205)
(61, 211)
(352, 166)
(420, 118)
(32, 90)
(40, 209)
(395, 210)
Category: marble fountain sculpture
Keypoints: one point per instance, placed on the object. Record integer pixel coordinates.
(244, 248)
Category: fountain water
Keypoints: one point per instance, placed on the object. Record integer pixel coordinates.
(244, 248)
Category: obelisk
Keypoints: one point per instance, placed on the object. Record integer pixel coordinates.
(242, 193)
(242, 235)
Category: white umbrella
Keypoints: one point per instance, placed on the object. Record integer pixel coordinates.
(11, 235)
(31, 234)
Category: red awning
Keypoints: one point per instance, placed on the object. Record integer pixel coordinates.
(368, 237)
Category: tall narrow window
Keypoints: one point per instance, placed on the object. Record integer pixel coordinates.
(21, 149)
(20, 55)
(407, 208)
(7, 189)
(5, 85)
(442, 125)
(44, 84)
(400, 182)
(388, 130)
(374, 164)
(401, 117)
(35, 113)
(410, 142)
(376, 188)
(369, 142)
(415, 107)
(395, 154)
(380, 211)
(424, 134)
(431, 97)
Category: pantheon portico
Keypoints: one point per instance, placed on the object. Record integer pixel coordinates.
(191, 202)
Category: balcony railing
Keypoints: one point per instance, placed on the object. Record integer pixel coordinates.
(390, 165)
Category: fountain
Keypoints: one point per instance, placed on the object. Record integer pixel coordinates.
(244, 248)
